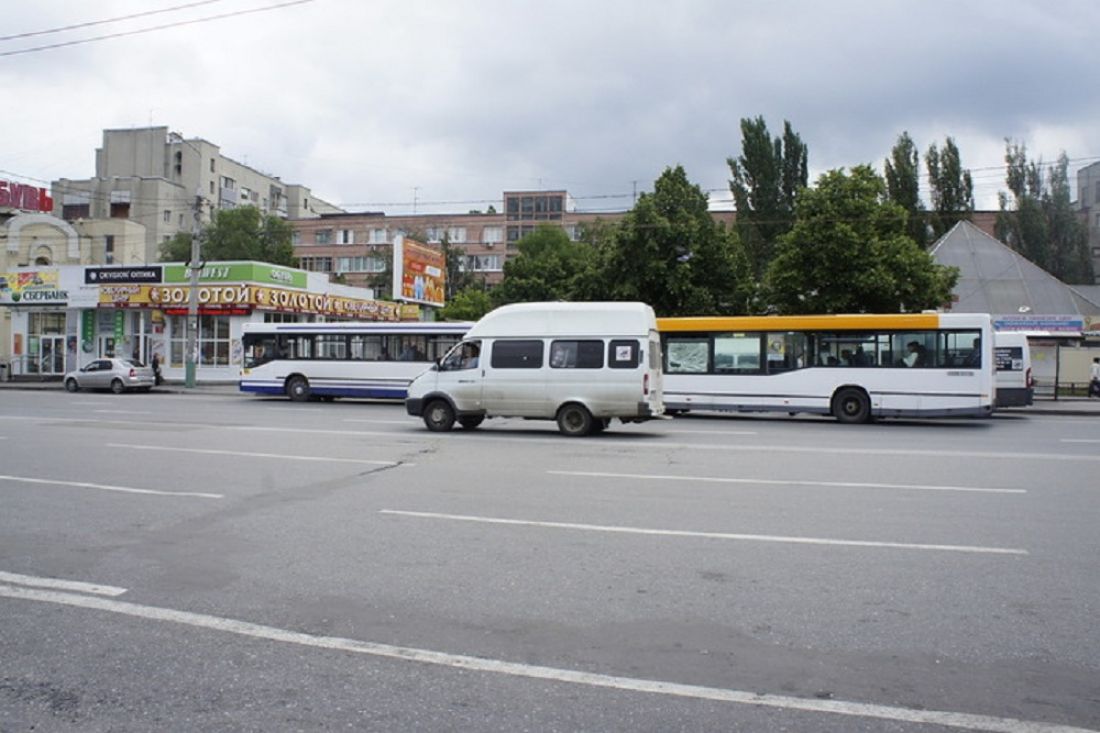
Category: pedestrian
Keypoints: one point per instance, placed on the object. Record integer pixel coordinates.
(1094, 381)
(156, 370)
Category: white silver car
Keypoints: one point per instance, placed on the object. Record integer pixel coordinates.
(117, 375)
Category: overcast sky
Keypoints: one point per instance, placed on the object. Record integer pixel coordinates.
(373, 103)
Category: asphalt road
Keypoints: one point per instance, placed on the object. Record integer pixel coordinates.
(186, 562)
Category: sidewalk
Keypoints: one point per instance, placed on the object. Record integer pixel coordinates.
(1078, 406)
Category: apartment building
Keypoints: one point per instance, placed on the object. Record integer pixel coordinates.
(154, 177)
(1088, 205)
(357, 246)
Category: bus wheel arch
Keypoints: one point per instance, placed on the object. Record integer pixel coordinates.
(574, 419)
(297, 388)
(851, 405)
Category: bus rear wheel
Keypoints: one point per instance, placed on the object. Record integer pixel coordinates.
(574, 420)
(851, 405)
(297, 389)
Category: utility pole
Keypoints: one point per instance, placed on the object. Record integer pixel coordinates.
(193, 298)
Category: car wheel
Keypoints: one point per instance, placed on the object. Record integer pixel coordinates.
(851, 405)
(117, 386)
(574, 420)
(470, 422)
(439, 416)
(297, 389)
(71, 385)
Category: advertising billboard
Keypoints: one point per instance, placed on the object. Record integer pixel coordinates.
(419, 273)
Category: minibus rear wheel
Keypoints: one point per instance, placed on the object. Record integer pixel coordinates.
(574, 420)
(439, 416)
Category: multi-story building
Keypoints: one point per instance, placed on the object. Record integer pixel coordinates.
(161, 180)
(1088, 204)
(357, 246)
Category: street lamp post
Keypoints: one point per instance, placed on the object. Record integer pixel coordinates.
(191, 357)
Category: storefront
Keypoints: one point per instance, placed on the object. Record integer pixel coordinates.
(64, 317)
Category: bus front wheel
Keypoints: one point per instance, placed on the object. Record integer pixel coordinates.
(297, 389)
(851, 405)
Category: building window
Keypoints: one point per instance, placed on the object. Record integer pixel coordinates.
(434, 234)
(213, 341)
(456, 235)
(345, 236)
(322, 236)
(228, 183)
(1096, 193)
(71, 212)
(295, 237)
(378, 235)
(483, 263)
(109, 249)
(211, 188)
(492, 235)
(211, 165)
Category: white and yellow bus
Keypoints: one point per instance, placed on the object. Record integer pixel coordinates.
(854, 367)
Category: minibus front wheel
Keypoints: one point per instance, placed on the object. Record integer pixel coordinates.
(439, 416)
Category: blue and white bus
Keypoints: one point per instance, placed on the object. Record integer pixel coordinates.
(328, 360)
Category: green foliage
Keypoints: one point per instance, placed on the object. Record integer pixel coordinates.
(549, 266)
(238, 234)
(951, 186)
(1039, 222)
(669, 252)
(467, 305)
(903, 185)
(457, 277)
(849, 252)
(765, 181)
(382, 282)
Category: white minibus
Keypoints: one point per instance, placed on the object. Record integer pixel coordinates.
(1013, 361)
(581, 364)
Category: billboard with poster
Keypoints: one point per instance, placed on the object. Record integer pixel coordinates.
(419, 273)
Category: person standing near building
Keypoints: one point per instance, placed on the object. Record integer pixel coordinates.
(1094, 380)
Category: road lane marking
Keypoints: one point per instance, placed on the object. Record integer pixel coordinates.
(210, 451)
(58, 584)
(944, 718)
(105, 487)
(1081, 440)
(123, 412)
(704, 535)
(653, 441)
(377, 422)
(786, 482)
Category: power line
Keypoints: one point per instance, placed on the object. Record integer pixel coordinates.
(139, 31)
(107, 20)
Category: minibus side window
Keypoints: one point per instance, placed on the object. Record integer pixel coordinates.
(623, 354)
(525, 354)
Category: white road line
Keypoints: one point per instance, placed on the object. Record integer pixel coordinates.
(965, 721)
(104, 487)
(1081, 440)
(123, 412)
(210, 451)
(378, 422)
(654, 442)
(716, 433)
(706, 535)
(786, 482)
(57, 584)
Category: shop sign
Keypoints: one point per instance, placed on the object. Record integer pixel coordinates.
(241, 272)
(101, 275)
(31, 287)
(225, 298)
(87, 330)
(21, 196)
(120, 326)
(1052, 323)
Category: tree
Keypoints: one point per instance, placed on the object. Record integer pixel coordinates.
(849, 252)
(457, 276)
(1039, 221)
(244, 233)
(549, 266)
(669, 252)
(467, 305)
(951, 186)
(903, 185)
(382, 282)
(765, 180)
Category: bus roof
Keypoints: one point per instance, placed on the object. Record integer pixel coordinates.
(834, 322)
